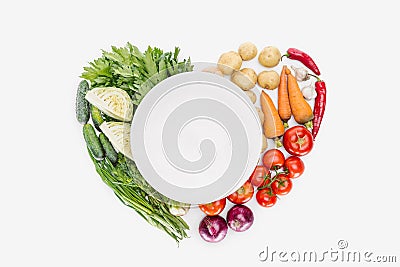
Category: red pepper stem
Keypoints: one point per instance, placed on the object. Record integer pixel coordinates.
(285, 55)
(315, 76)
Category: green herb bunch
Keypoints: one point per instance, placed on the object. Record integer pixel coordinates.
(136, 73)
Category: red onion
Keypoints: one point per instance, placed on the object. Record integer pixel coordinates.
(213, 228)
(240, 218)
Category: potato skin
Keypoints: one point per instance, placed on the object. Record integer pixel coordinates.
(269, 56)
(251, 95)
(264, 143)
(229, 62)
(247, 51)
(268, 79)
(245, 78)
(260, 115)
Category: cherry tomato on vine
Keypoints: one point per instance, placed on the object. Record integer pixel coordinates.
(266, 198)
(258, 175)
(265, 184)
(294, 166)
(282, 185)
(298, 141)
(243, 194)
(213, 208)
(273, 159)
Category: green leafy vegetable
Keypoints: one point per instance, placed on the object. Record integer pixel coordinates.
(135, 72)
(129, 69)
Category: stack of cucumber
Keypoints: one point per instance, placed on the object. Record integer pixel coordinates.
(115, 90)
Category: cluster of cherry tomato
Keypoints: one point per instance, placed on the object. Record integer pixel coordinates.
(298, 142)
(274, 177)
(269, 187)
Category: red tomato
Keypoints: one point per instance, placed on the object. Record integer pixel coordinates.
(213, 208)
(273, 158)
(298, 141)
(282, 185)
(243, 194)
(258, 175)
(266, 198)
(294, 166)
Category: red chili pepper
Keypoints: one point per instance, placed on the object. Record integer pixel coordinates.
(319, 106)
(296, 54)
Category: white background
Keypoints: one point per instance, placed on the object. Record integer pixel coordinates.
(55, 210)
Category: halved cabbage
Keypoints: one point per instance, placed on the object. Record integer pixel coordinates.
(119, 135)
(113, 101)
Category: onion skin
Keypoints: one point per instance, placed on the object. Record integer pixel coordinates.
(213, 228)
(240, 218)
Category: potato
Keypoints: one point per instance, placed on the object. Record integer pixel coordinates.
(269, 57)
(251, 95)
(268, 79)
(213, 70)
(247, 51)
(261, 115)
(264, 143)
(245, 78)
(229, 62)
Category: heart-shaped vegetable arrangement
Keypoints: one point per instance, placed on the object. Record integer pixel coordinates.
(114, 86)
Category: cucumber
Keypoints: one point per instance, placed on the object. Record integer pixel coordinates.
(107, 118)
(119, 135)
(111, 154)
(97, 118)
(82, 105)
(92, 141)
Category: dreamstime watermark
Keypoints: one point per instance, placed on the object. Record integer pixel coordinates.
(341, 253)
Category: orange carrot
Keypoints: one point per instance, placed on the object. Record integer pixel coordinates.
(273, 126)
(301, 110)
(283, 98)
